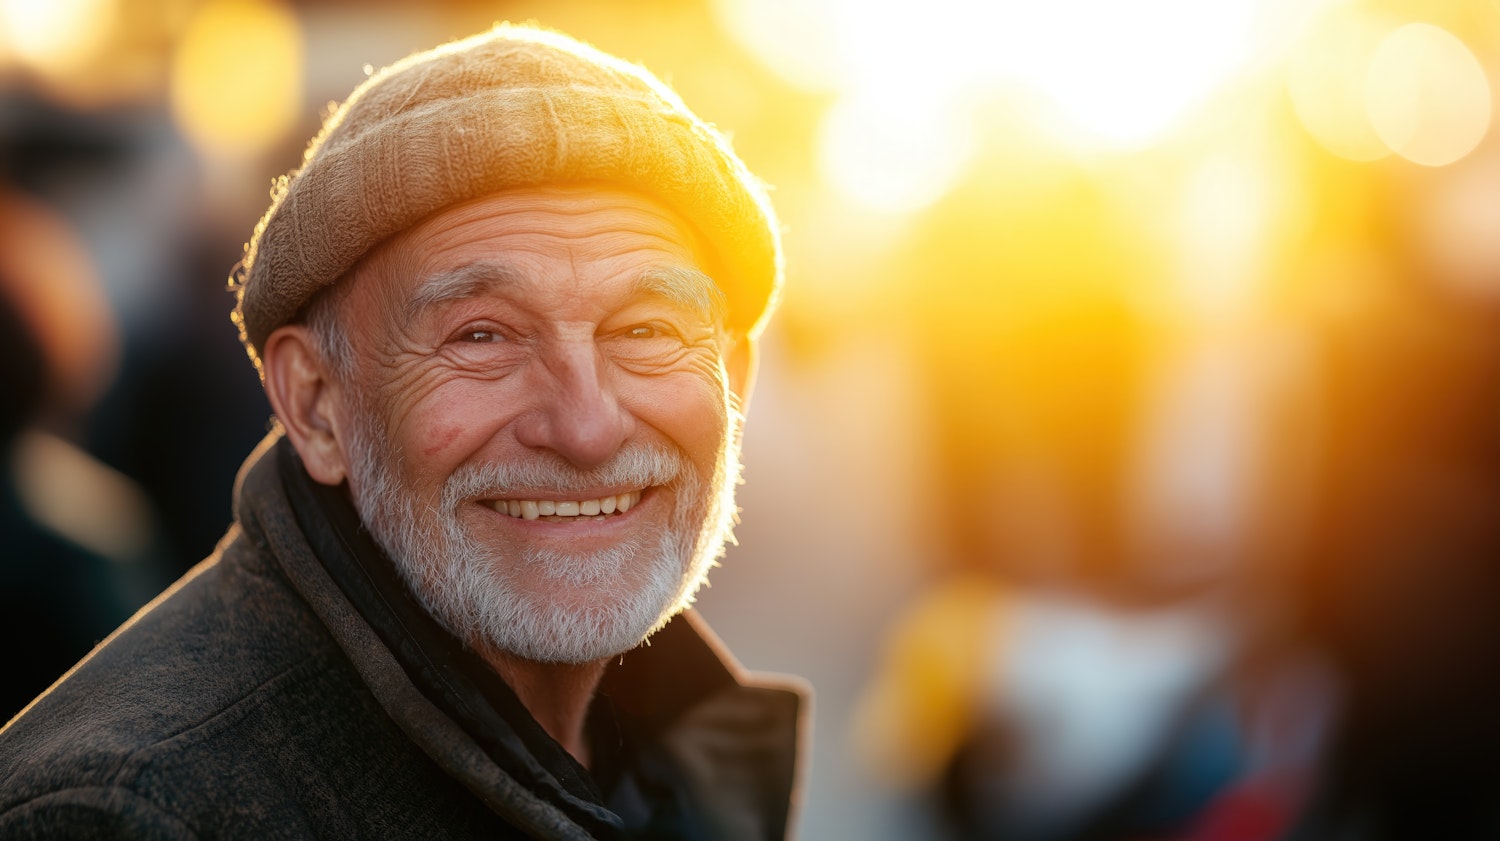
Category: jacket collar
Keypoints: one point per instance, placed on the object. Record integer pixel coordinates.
(468, 720)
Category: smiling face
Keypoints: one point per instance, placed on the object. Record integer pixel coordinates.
(539, 424)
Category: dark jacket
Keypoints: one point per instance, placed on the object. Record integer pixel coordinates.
(286, 688)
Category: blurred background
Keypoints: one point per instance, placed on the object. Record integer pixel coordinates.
(1124, 460)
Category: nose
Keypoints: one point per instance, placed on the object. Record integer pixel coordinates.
(577, 413)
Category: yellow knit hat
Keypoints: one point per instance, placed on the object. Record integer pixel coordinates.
(516, 106)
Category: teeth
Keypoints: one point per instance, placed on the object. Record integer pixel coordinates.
(531, 509)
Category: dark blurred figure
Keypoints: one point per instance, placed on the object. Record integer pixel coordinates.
(180, 396)
(183, 403)
(1404, 583)
(76, 539)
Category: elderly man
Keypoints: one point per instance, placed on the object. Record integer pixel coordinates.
(506, 315)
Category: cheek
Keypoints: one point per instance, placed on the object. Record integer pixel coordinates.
(689, 410)
(443, 430)
(440, 439)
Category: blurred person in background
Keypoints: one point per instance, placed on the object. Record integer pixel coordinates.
(1101, 656)
(77, 537)
(1402, 583)
(506, 314)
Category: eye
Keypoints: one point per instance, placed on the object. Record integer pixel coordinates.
(652, 330)
(476, 336)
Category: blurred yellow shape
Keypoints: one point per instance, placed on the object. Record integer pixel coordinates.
(54, 36)
(923, 701)
(1327, 77)
(237, 76)
(1224, 227)
(1427, 95)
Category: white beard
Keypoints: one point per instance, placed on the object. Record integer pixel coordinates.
(579, 617)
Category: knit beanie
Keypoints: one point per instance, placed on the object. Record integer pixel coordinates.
(514, 107)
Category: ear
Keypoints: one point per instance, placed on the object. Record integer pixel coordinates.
(306, 399)
(740, 364)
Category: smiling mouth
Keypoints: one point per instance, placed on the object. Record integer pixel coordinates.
(566, 511)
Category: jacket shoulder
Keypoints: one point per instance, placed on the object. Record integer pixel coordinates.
(175, 698)
(224, 710)
(87, 813)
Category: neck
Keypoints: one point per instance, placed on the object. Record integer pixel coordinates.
(557, 695)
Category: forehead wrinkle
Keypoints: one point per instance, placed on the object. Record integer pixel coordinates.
(683, 285)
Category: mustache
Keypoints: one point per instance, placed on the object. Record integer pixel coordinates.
(636, 465)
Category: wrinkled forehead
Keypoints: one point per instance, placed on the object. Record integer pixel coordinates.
(680, 284)
(493, 240)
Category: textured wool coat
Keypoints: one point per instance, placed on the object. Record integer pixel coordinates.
(282, 690)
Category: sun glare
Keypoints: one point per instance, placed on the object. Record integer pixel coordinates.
(1112, 75)
(893, 159)
(1124, 73)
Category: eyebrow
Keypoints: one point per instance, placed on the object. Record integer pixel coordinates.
(684, 286)
(463, 282)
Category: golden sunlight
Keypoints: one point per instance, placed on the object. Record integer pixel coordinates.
(1124, 73)
(893, 156)
(56, 36)
(1104, 75)
(237, 76)
(1224, 226)
(1427, 95)
(1326, 78)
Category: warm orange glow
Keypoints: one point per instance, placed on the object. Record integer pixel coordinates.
(54, 36)
(1102, 74)
(237, 76)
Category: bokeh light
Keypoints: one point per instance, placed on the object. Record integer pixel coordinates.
(1326, 78)
(894, 155)
(1116, 296)
(1225, 214)
(1126, 72)
(1428, 97)
(237, 76)
(54, 36)
(1099, 75)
